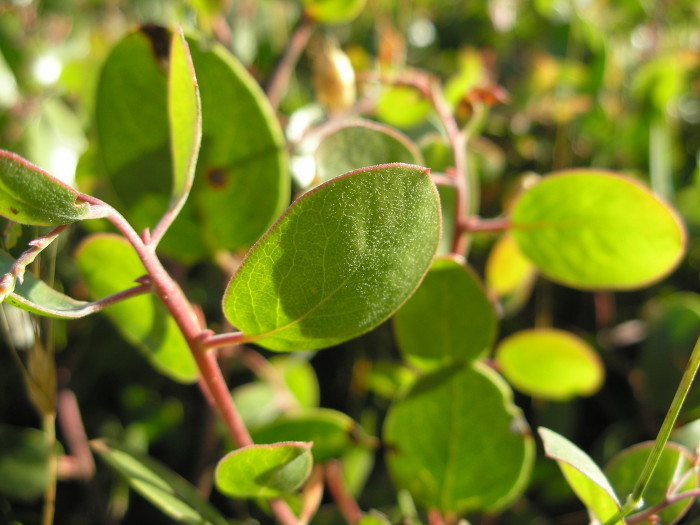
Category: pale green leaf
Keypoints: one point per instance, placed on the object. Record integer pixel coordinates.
(333, 11)
(597, 230)
(340, 261)
(551, 364)
(172, 494)
(264, 471)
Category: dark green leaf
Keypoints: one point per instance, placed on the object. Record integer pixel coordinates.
(264, 471)
(172, 494)
(340, 261)
(24, 462)
(449, 318)
(457, 443)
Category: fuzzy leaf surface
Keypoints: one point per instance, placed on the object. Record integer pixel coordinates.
(264, 471)
(109, 264)
(29, 195)
(457, 442)
(172, 494)
(550, 364)
(449, 318)
(341, 260)
(597, 230)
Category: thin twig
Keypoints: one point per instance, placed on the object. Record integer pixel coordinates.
(80, 464)
(280, 78)
(347, 505)
(476, 224)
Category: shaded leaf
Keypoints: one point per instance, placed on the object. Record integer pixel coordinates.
(330, 431)
(109, 264)
(449, 318)
(264, 471)
(457, 442)
(359, 144)
(172, 494)
(340, 261)
(675, 463)
(592, 229)
(29, 195)
(24, 461)
(549, 363)
(582, 474)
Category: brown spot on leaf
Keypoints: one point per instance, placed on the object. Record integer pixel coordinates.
(13, 210)
(160, 42)
(217, 178)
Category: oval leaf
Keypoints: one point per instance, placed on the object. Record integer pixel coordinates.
(449, 318)
(109, 264)
(582, 474)
(675, 469)
(340, 261)
(551, 364)
(359, 144)
(264, 471)
(457, 443)
(333, 11)
(173, 495)
(29, 195)
(509, 273)
(594, 230)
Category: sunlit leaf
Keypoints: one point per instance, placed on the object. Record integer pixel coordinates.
(172, 494)
(582, 474)
(340, 261)
(185, 116)
(109, 265)
(591, 230)
(402, 106)
(29, 195)
(508, 272)
(360, 144)
(333, 11)
(675, 469)
(449, 318)
(457, 442)
(264, 471)
(549, 363)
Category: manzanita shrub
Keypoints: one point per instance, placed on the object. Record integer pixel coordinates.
(192, 165)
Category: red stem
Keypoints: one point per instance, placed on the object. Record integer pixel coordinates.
(347, 505)
(79, 465)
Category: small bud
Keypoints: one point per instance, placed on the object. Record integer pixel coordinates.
(334, 77)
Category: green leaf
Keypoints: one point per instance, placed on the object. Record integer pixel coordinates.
(24, 462)
(340, 261)
(457, 442)
(592, 230)
(551, 364)
(173, 495)
(331, 432)
(449, 318)
(675, 463)
(582, 474)
(185, 116)
(39, 298)
(353, 145)
(29, 195)
(264, 471)
(241, 183)
(109, 264)
(402, 106)
(333, 11)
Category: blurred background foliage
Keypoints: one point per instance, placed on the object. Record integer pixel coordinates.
(576, 83)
